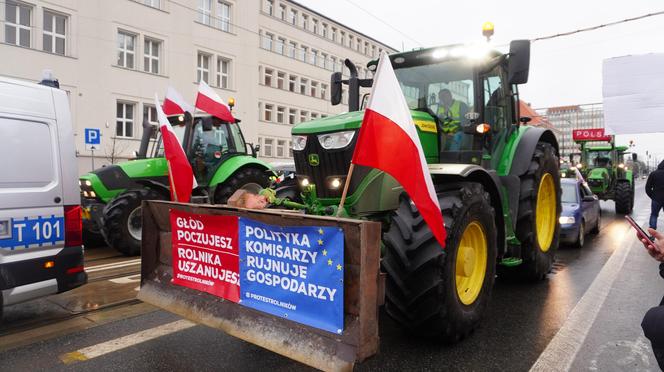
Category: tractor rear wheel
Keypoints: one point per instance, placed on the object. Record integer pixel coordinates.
(435, 292)
(251, 179)
(539, 209)
(121, 222)
(623, 198)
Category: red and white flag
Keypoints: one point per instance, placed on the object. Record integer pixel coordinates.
(207, 100)
(174, 104)
(180, 174)
(388, 141)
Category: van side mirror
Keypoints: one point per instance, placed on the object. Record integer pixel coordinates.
(335, 88)
(519, 62)
(589, 198)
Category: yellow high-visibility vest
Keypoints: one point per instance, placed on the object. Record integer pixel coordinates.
(451, 117)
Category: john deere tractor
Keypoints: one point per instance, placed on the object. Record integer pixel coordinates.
(497, 181)
(217, 151)
(603, 167)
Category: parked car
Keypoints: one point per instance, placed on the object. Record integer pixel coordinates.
(41, 252)
(581, 212)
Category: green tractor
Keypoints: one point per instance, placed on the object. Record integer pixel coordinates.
(608, 176)
(217, 151)
(497, 181)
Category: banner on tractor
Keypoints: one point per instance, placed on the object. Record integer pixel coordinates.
(592, 134)
(294, 272)
(206, 253)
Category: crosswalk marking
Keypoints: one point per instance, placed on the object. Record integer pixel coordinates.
(110, 346)
(116, 265)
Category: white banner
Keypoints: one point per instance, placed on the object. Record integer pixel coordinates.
(633, 90)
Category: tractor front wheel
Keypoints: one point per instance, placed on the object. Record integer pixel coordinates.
(122, 224)
(250, 179)
(539, 209)
(442, 293)
(623, 198)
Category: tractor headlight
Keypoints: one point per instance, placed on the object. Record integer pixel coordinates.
(299, 143)
(336, 140)
(88, 183)
(565, 220)
(92, 194)
(621, 165)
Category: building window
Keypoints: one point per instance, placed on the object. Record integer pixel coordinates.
(303, 54)
(267, 41)
(350, 41)
(223, 72)
(267, 77)
(224, 16)
(342, 39)
(293, 17)
(269, 5)
(324, 61)
(281, 79)
(290, 149)
(282, 12)
(314, 89)
(267, 147)
(303, 85)
(126, 49)
(323, 91)
(305, 21)
(314, 25)
(18, 23)
(292, 82)
(304, 115)
(204, 11)
(314, 116)
(55, 32)
(281, 111)
(292, 114)
(292, 47)
(313, 57)
(324, 30)
(333, 34)
(366, 48)
(279, 45)
(281, 148)
(124, 119)
(267, 112)
(203, 68)
(150, 114)
(153, 3)
(151, 54)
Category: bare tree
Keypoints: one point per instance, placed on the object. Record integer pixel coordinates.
(115, 149)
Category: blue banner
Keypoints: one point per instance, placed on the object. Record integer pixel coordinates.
(293, 272)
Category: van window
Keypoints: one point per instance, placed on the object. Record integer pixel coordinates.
(26, 154)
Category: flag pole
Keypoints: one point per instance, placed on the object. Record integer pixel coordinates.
(171, 181)
(346, 184)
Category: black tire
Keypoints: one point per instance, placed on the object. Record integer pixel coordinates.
(581, 239)
(598, 224)
(623, 198)
(537, 261)
(115, 219)
(93, 238)
(421, 289)
(244, 178)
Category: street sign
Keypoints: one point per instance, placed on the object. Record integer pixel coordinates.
(92, 139)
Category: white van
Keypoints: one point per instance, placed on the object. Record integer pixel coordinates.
(40, 215)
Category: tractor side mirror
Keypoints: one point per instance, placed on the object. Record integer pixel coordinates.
(519, 62)
(634, 157)
(255, 150)
(525, 120)
(335, 88)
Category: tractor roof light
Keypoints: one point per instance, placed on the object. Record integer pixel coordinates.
(487, 30)
(231, 102)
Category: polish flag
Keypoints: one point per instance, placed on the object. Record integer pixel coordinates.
(208, 101)
(174, 104)
(388, 141)
(180, 175)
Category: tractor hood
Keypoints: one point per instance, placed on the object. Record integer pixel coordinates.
(353, 120)
(108, 181)
(598, 173)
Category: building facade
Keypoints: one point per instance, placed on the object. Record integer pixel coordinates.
(568, 118)
(275, 57)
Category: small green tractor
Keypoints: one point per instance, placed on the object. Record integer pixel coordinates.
(603, 167)
(498, 189)
(112, 195)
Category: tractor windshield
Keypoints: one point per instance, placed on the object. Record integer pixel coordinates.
(598, 159)
(443, 89)
(179, 133)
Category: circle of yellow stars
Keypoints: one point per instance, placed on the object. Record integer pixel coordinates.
(329, 260)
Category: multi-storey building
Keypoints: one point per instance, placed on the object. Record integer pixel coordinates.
(274, 57)
(568, 118)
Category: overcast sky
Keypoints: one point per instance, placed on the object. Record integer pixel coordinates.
(563, 71)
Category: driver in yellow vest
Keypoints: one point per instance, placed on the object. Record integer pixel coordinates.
(451, 112)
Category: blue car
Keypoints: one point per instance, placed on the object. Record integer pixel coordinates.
(581, 212)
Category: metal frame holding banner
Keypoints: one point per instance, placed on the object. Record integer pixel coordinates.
(318, 332)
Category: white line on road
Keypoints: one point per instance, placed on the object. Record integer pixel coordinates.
(116, 265)
(107, 347)
(563, 348)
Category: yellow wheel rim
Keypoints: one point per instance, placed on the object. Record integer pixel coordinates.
(471, 263)
(545, 212)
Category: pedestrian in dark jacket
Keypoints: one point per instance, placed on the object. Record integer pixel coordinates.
(655, 190)
(653, 321)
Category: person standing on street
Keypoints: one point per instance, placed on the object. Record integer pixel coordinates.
(653, 321)
(655, 191)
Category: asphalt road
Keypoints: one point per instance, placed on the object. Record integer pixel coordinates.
(522, 320)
